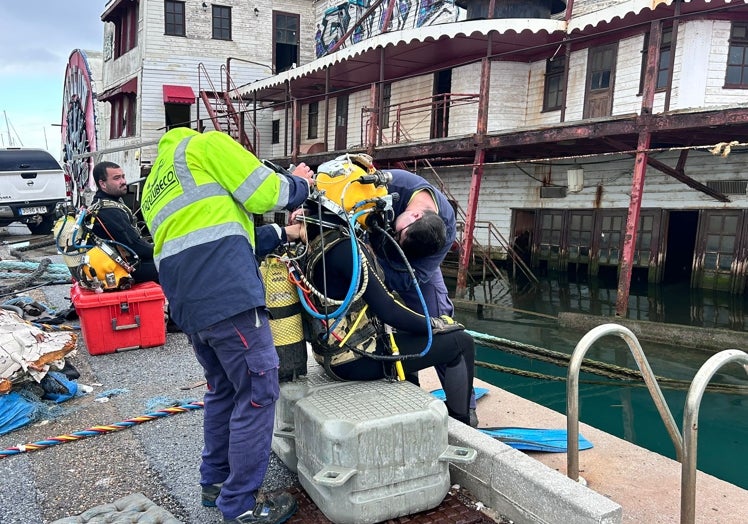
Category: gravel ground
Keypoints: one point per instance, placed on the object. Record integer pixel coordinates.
(158, 458)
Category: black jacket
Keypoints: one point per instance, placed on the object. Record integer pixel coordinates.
(117, 223)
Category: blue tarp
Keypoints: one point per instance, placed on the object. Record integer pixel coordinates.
(19, 408)
(15, 412)
(58, 388)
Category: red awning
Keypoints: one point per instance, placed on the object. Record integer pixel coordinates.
(131, 86)
(179, 95)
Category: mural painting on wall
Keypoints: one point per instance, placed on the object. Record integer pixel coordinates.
(78, 120)
(406, 14)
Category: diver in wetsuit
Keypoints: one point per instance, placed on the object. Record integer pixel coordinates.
(350, 312)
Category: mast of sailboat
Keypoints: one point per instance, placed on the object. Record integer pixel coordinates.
(7, 127)
(11, 143)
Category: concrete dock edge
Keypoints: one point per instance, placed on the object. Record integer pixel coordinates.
(523, 489)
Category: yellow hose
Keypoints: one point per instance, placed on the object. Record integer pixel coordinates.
(396, 351)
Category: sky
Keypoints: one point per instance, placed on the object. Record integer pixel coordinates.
(36, 40)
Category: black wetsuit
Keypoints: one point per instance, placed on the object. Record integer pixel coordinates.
(115, 223)
(455, 349)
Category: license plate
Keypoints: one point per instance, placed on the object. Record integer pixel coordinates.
(33, 210)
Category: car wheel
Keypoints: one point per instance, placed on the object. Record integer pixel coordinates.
(44, 227)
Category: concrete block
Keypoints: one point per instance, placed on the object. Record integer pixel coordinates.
(523, 489)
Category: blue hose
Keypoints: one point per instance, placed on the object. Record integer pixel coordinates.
(354, 278)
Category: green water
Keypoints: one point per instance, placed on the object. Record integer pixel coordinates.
(625, 411)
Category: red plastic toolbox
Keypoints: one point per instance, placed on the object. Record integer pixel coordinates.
(120, 320)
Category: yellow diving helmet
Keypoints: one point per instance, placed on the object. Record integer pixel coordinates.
(93, 263)
(349, 185)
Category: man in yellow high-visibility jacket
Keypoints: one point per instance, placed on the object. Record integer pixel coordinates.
(198, 203)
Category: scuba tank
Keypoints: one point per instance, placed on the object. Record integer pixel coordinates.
(284, 307)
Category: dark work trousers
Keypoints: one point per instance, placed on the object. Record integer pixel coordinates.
(241, 368)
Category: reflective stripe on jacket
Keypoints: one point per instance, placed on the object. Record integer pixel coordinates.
(198, 203)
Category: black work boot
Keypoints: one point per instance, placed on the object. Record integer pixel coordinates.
(275, 509)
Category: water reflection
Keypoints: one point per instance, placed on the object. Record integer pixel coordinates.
(671, 304)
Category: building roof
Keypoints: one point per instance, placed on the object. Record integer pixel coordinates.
(411, 52)
(401, 54)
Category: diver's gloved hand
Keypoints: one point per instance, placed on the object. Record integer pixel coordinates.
(444, 324)
(373, 219)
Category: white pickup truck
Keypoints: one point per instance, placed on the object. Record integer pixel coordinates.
(32, 184)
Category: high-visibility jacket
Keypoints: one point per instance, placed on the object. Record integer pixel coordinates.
(198, 202)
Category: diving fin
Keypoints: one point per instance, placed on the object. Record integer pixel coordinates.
(479, 392)
(535, 439)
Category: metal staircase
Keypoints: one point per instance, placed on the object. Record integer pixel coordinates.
(225, 107)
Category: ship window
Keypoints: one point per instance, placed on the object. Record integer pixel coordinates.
(221, 22)
(663, 67)
(313, 120)
(737, 57)
(276, 132)
(285, 41)
(553, 96)
(122, 123)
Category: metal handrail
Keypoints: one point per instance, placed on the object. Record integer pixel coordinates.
(426, 106)
(238, 116)
(691, 427)
(572, 392)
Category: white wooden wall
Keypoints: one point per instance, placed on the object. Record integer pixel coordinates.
(160, 59)
(506, 187)
(516, 92)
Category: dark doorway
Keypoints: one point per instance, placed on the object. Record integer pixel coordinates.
(681, 241)
(440, 117)
(341, 122)
(177, 115)
(523, 223)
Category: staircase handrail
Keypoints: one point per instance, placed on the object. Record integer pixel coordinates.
(238, 116)
(492, 230)
(202, 72)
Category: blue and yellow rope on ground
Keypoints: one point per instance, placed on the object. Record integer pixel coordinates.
(99, 430)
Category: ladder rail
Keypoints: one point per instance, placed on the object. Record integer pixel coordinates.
(691, 427)
(572, 392)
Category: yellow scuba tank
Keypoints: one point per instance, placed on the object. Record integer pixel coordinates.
(286, 325)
